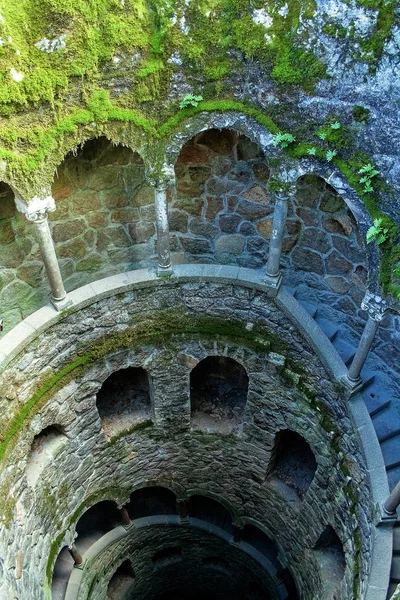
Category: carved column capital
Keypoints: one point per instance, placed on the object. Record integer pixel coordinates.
(286, 192)
(36, 210)
(162, 178)
(375, 306)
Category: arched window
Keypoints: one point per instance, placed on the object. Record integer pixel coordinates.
(210, 510)
(250, 534)
(95, 522)
(44, 448)
(331, 557)
(124, 401)
(150, 501)
(293, 462)
(121, 581)
(62, 570)
(218, 394)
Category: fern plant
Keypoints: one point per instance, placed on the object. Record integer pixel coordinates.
(378, 232)
(330, 155)
(190, 100)
(368, 172)
(283, 139)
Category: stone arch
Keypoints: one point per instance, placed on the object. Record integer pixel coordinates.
(62, 569)
(227, 504)
(152, 500)
(218, 394)
(94, 522)
(124, 401)
(121, 580)
(207, 508)
(104, 221)
(329, 553)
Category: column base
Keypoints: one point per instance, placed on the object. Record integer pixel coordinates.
(273, 282)
(81, 566)
(387, 519)
(61, 304)
(164, 271)
(353, 385)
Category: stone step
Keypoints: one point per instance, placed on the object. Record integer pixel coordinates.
(368, 377)
(376, 398)
(345, 350)
(312, 309)
(396, 539)
(386, 424)
(329, 328)
(391, 452)
(393, 476)
(395, 571)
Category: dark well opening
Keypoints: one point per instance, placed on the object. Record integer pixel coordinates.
(218, 394)
(123, 400)
(293, 462)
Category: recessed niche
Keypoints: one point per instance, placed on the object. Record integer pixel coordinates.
(218, 394)
(250, 534)
(166, 557)
(217, 563)
(124, 401)
(210, 510)
(44, 449)
(121, 581)
(150, 501)
(292, 462)
(332, 561)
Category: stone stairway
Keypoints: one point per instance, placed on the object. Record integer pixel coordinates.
(383, 404)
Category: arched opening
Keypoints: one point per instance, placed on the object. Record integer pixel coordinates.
(221, 203)
(44, 449)
(323, 249)
(123, 401)
(167, 557)
(331, 557)
(292, 462)
(150, 501)
(61, 572)
(210, 510)
(121, 581)
(105, 219)
(95, 522)
(218, 394)
(252, 535)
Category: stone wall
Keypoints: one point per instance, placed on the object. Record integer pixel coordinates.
(167, 330)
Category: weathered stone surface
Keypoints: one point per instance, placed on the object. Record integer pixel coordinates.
(316, 239)
(307, 260)
(189, 188)
(142, 231)
(196, 245)
(331, 203)
(247, 149)
(337, 265)
(257, 194)
(202, 227)
(73, 249)
(91, 263)
(218, 187)
(70, 229)
(62, 187)
(220, 141)
(261, 172)
(178, 220)
(114, 236)
(144, 196)
(338, 284)
(338, 224)
(308, 216)
(85, 201)
(252, 211)
(308, 196)
(229, 223)
(6, 232)
(124, 215)
(349, 249)
(231, 244)
(194, 154)
(241, 172)
(265, 227)
(214, 206)
(199, 174)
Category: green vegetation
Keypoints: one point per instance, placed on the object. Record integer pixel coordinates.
(190, 100)
(360, 113)
(378, 232)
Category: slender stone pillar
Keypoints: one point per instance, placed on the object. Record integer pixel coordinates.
(76, 555)
(36, 212)
(163, 248)
(278, 230)
(392, 502)
(125, 518)
(237, 535)
(183, 511)
(376, 308)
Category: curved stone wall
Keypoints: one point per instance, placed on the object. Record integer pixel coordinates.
(167, 328)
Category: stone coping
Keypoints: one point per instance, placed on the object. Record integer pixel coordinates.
(12, 343)
(120, 532)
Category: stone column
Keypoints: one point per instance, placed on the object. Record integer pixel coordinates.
(391, 504)
(376, 308)
(125, 518)
(36, 212)
(183, 511)
(274, 276)
(163, 249)
(76, 555)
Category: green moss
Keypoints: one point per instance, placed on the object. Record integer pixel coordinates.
(136, 428)
(360, 113)
(335, 30)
